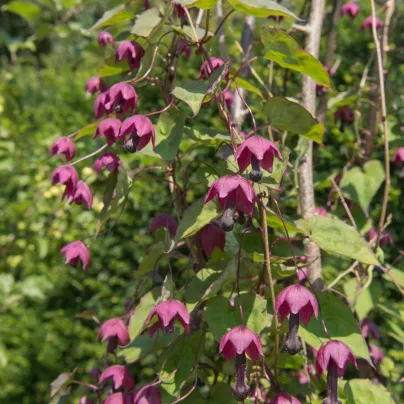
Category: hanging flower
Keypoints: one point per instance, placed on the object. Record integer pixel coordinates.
(99, 105)
(82, 194)
(284, 398)
(210, 237)
(369, 327)
(376, 354)
(63, 145)
(120, 375)
(140, 130)
(385, 237)
(74, 252)
(228, 98)
(205, 71)
(95, 85)
(398, 157)
(351, 9)
(320, 212)
(147, 395)
(368, 22)
(114, 331)
(344, 115)
(121, 98)
(109, 128)
(66, 175)
(132, 51)
(108, 160)
(95, 373)
(165, 221)
(104, 38)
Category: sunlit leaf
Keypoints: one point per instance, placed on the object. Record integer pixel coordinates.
(146, 23)
(116, 15)
(261, 8)
(192, 93)
(364, 391)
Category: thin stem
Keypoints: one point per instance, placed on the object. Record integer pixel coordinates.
(223, 21)
(341, 196)
(384, 121)
(342, 274)
(134, 81)
(191, 24)
(248, 108)
(90, 155)
(162, 110)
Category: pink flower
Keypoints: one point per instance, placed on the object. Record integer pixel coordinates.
(109, 128)
(398, 157)
(141, 131)
(210, 237)
(284, 398)
(66, 175)
(121, 98)
(82, 194)
(301, 304)
(303, 376)
(109, 160)
(167, 313)
(63, 145)
(74, 252)
(385, 237)
(376, 354)
(184, 48)
(85, 400)
(320, 211)
(132, 51)
(119, 398)
(147, 395)
(228, 98)
(368, 22)
(259, 152)
(233, 192)
(302, 275)
(351, 9)
(345, 116)
(120, 376)
(166, 221)
(241, 340)
(104, 38)
(95, 373)
(95, 85)
(205, 71)
(369, 327)
(114, 331)
(99, 105)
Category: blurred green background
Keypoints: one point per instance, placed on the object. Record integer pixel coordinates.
(46, 56)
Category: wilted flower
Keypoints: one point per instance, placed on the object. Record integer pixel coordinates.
(109, 128)
(104, 38)
(259, 152)
(345, 116)
(301, 304)
(166, 221)
(368, 22)
(99, 105)
(81, 194)
(376, 354)
(85, 400)
(114, 331)
(147, 395)
(205, 71)
(233, 192)
(228, 98)
(333, 356)
(74, 252)
(95, 373)
(369, 327)
(284, 398)
(63, 145)
(210, 237)
(121, 98)
(167, 313)
(351, 9)
(240, 341)
(398, 157)
(320, 211)
(132, 51)
(109, 160)
(120, 376)
(95, 85)
(119, 398)
(66, 175)
(385, 237)
(140, 130)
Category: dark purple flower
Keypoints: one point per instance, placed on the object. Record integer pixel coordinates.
(140, 130)
(333, 356)
(114, 331)
(259, 152)
(345, 116)
(99, 105)
(109, 128)
(284, 398)
(165, 221)
(351, 9)
(376, 354)
(120, 376)
(74, 252)
(63, 145)
(121, 98)
(233, 193)
(210, 237)
(398, 157)
(95, 373)
(132, 51)
(385, 237)
(368, 22)
(301, 304)
(104, 38)
(179, 10)
(147, 395)
(320, 211)
(108, 160)
(82, 194)
(184, 48)
(95, 85)
(66, 175)
(85, 400)
(119, 398)
(228, 98)
(369, 327)
(167, 313)
(205, 71)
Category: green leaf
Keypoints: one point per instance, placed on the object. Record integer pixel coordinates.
(367, 299)
(169, 131)
(6, 283)
(261, 8)
(110, 187)
(243, 83)
(340, 323)
(150, 260)
(26, 10)
(146, 22)
(334, 235)
(188, 32)
(114, 16)
(87, 130)
(221, 393)
(143, 309)
(192, 93)
(284, 50)
(203, 4)
(363, 391)
(395, 273)
(292, 117)
(112, 70)
(275, 222)
(362, 185)
(198, 215)
(219, 317)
